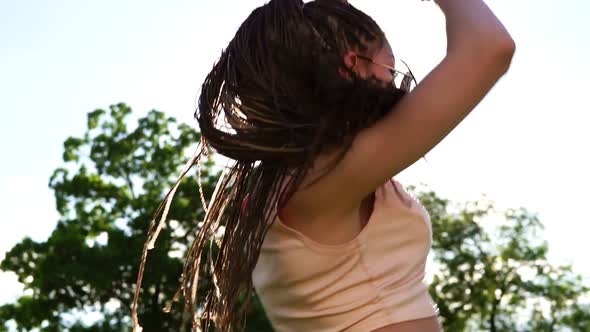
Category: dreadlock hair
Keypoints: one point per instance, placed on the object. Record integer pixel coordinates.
(275, 100)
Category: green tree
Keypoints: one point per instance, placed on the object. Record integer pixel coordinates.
(498, 278)
(112, 180)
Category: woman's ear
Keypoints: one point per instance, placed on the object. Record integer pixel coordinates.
(350, 60)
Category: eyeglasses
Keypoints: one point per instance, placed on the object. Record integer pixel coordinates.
(403, 81)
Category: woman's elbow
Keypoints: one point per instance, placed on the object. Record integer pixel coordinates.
(503, 52)
(507, 48)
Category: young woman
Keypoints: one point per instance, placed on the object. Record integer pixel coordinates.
(317, 112)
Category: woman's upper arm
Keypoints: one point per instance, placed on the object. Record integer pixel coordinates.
(416, 124)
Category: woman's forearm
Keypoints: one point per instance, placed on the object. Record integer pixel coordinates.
(471, 23)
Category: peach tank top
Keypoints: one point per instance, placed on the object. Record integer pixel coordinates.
(372, 281)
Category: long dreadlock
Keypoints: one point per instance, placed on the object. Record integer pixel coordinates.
(274, 101)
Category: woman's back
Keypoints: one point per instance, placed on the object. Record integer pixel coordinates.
(373, 281)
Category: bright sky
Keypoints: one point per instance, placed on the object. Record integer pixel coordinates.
(525, 145)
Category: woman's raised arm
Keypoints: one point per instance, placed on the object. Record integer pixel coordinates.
(479, 52)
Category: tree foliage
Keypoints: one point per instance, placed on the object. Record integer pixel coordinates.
(492, 272)
(114, 177)
(112, 180)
